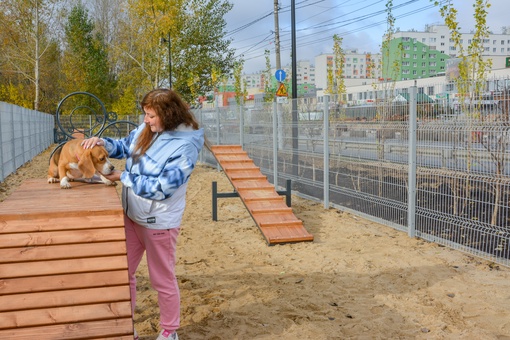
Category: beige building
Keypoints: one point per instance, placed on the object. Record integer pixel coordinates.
(359, 68)
(437, 37)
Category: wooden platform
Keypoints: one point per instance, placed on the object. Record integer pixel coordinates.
(273, 217)
(63, 265)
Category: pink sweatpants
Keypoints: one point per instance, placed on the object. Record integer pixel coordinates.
(160, 246)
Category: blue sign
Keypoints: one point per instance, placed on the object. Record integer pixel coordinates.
(280, 75)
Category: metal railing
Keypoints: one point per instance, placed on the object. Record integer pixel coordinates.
(84, 114)
(443, 176)
(24, 134)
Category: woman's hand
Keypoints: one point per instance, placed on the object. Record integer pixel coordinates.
(91, 142)
(114, 176)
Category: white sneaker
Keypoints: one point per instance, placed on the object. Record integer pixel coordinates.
(167, 335)
(135, 336)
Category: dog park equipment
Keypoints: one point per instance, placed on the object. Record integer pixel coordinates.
(63, 264)
(101, 123)
(273, 216)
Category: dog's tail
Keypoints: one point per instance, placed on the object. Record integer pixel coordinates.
(55, 155)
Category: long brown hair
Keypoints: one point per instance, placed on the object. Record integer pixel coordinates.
(171, 110)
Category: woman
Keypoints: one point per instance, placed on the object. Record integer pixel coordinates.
(160, 157)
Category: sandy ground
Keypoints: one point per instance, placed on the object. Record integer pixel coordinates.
(357, 280)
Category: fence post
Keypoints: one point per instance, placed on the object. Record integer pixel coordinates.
(325, 132)
(23, 124)
(217, 129)
(411, 190)
(279, 115)
(241, 125)
(201, 123)
(3, 108)
(275, 144)
(13, 141)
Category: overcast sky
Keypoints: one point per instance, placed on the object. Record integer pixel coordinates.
(361, 24)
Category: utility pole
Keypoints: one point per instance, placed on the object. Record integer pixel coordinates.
(295, 141)
(277, 36)
(279, 110)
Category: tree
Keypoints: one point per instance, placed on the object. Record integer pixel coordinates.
(339, 69)
(472, 68)
(193, 30)
(389, 68)
(240, 92)
(390, 63)
(29, 51)
(472, 76)
(85, 64)
(200, 44)
(269, 89)
(330, 87)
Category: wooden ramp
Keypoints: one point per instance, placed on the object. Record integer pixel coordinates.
(63, 265)
(273, 217)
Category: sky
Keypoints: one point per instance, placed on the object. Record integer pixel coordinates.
(361, 24)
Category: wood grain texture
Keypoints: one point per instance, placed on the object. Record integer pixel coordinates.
(63, 265)
(275, 220)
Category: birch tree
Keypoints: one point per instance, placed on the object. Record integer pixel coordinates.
(29, 36)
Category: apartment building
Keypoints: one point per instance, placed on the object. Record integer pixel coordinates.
(358, 67)
(408, 58)
(425, 52)
(305, 78)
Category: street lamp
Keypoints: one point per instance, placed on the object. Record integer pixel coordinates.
(169, 41)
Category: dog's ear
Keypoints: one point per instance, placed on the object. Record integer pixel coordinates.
(86, 165)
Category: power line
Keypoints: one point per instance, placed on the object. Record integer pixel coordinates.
(309, 40)
(239, 29)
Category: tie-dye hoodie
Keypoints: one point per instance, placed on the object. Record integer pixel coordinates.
(154, 187)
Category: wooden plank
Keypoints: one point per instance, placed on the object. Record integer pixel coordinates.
(246, 176)
(252, 185)
(271, 210)
(82, 265)
(275, 220)
(280, 204)
(63, 281)
(63, 264)
(62, 237)
(50, 201)
(280, 223)
(282, 235)
(61, 223)
(241, 167)
(235, 159)
(117, 328)
(61, 298)
(254, 195)
(53, 252)
(68, 314)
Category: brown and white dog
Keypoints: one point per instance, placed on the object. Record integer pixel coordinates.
(72, 161)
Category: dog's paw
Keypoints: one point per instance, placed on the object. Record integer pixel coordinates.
(110, 183)
(106, 181)
(64, 184)
(53, 180)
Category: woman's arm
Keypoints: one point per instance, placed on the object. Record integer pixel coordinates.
(175, 173)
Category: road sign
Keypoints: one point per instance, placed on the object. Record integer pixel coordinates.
(282, 100)
(280, 75)
(282, 91)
